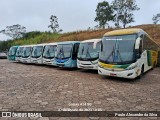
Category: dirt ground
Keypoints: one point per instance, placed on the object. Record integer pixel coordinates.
(46, 88)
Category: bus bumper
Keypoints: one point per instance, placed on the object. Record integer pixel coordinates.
(94, 67)
(18, 59)
(36, 61)
(24, 60)
(49, 62)
(67, 63)
(87, 64)
(129, 74)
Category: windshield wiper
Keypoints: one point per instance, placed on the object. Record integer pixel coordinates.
(88, 52)
(61, 53)
(119, 54)
(111, 54)
(82, 52)
(48, 53)
(82, 49)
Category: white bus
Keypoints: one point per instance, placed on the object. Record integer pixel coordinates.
(26, 54)
(37, 53)
(19, 53)
(88, 54)
(127, 53)
(49, 54)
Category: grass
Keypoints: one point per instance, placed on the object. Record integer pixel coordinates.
(152, 30)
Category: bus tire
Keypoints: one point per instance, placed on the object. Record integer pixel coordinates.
(155, 64)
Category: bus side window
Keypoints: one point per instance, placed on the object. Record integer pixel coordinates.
(148, 44)
(75, 51)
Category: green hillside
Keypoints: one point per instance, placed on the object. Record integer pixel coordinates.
(47, 37)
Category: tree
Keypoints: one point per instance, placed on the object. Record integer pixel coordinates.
(14, 31)
(124, 11)
(103, 14)
(156, 18)
(54, 24)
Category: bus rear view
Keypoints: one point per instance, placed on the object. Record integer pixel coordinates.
(66, 55)
(88, 54)
(124, 53)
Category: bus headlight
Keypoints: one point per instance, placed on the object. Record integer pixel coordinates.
(99, 65)
(78, 62)
(94, 62)
(132, 66)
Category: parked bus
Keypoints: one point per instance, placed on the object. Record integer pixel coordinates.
(67, 54)
(49, 54)
(37, 53)
(26, 54)
(88, 54)
(12, 53)
(127, 53)
(19, 53)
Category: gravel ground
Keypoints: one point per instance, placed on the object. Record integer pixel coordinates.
(46, 88)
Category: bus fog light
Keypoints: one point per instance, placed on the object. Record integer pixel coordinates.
(94, 62)
(130, 74)
(132, 67)
(99, 71)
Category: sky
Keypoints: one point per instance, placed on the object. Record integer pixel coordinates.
(72, 15)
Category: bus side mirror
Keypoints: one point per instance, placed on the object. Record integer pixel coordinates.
(138, 56)
(101, 47)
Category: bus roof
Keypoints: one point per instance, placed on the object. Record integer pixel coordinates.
(22, 46)
(14, 46)
(123, 31)
(128, 31)
(68, 42)
(51, 44)
(39, 45)
(91, 40)
(29, 45)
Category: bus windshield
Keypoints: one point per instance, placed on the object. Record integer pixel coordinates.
(37, 51)
(49, 51)
(12, 51)
(86, 51)
(19, 52)
(64, 51)
(118, 49)
(26, 52)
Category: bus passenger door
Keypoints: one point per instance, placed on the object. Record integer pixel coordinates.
(75, 51)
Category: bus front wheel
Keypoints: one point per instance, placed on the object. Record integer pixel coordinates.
(142, 71)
